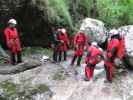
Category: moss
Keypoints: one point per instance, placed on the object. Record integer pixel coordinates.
(37, 50)
(42, 88)
(46, 51)
(22, 91)
(59, 75)
(1, 61)
(9, 88)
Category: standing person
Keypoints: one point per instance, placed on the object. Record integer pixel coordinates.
(93, 57)
(115, 49)
(64, 46)
(55, 45)
(79, 43)
(13, 41)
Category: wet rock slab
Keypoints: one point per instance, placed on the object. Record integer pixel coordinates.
(25, 65)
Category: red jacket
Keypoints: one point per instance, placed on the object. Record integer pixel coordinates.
(63, 37)
(12, 39)
(79, 39)
(79, 42)
(112, 48)
(79, 52)
(93, 52)
(121, 50)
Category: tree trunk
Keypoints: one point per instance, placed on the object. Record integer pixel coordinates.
(94, 9)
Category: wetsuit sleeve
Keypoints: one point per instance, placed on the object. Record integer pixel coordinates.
(114, 50)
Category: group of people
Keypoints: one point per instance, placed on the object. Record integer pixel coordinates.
(60, 44)
(95, 54)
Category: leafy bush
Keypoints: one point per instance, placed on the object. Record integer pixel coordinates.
(115, 13)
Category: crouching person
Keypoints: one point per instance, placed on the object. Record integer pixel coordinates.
(93, 57)
(13, 42)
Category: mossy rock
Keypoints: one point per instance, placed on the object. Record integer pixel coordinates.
(59, 75)
(8, 87)
(26, 65)
(22, 91)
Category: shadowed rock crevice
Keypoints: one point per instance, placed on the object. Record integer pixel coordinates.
(32, 21)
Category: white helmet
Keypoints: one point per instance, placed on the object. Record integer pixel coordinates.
(100, 49)
(113, 32)
(12, 21)
(63, 30)
(94, 43)
(82, 29)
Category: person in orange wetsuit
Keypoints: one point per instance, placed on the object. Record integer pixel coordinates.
(64, 46)
(93, 57)
(79, 43)
(13, 41)
(115, 49)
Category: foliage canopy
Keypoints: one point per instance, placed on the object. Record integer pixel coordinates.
(71, 12)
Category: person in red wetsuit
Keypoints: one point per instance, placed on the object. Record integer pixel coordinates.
(55, 44)
(93, 57)
(115, 49)
(13, 41)
(64, 46)
(79, 42)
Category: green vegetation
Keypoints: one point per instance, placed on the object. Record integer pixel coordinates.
(37, 50)
(57, 11)
(59, 75)
(71, 12)
(115, 13)
(9, 88)
(13, 91)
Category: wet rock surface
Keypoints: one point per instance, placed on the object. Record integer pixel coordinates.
(25, 65)
(52, 81)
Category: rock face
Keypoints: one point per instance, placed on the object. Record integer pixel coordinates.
(128, 31)
(32, 21)
(94, 29)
